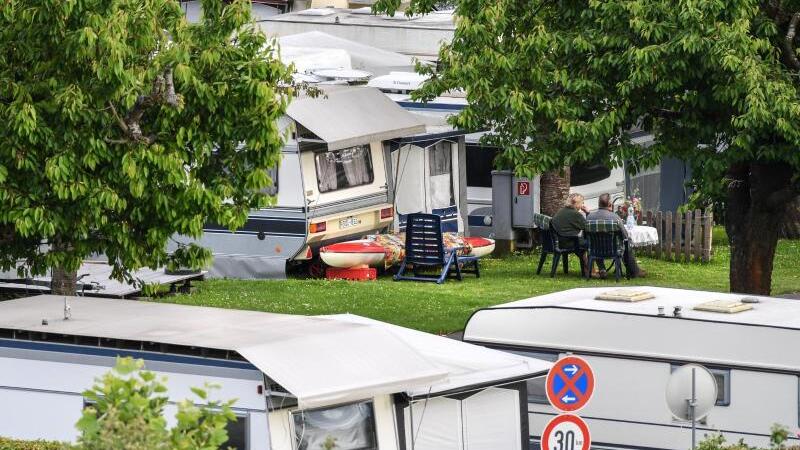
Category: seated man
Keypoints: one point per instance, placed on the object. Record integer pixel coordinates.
(569, 222)
(604, 212)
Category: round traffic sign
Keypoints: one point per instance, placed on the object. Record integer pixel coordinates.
(566, 432)
(570, 384)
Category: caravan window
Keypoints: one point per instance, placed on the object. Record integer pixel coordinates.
(536, 386)
(237, 433)
(344, 168)
(440, 167)
(346, 427)
(480, 162)
(723, 379)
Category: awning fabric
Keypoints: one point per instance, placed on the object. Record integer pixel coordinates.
(349, 116)
(354, 363)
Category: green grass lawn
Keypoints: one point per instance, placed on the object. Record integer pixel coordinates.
(445, 308)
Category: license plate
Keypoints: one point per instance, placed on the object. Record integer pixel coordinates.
(349, 222)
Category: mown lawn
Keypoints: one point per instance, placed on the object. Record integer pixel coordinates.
(445, 308)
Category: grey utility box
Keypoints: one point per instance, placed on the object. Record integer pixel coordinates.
(525, 195)
(501, 205)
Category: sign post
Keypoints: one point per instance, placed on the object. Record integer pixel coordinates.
(569, 386)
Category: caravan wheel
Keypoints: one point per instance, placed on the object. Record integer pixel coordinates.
(316, 268)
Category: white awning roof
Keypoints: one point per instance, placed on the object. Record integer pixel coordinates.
(466, 365)
(349, 116)
(320, 360)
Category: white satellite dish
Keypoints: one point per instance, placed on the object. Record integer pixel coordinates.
(691, 393)
(679, 392)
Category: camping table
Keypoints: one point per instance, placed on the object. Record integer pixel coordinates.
(642, 236)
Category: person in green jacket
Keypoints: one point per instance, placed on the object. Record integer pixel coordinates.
(569, 222)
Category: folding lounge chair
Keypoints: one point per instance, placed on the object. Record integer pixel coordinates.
(425, 249)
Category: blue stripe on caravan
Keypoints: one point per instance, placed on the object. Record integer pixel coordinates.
(114, 352)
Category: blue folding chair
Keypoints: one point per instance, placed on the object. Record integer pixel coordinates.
(425, 249)
(606, 242)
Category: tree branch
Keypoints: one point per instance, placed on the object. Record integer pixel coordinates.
(162, 92)
(788, 42)
(779, 199)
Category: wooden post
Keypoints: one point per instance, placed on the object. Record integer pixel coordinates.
(649, 218)
(678, 239)
(697, 238)
(660, 228)
(707, 232)
(687, 238)
(668, 240)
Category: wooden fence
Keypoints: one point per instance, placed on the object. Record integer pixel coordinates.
(681, 236)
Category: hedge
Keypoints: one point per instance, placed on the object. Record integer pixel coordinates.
(12, 444)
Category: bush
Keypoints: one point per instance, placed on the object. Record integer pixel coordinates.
(127, 413)
(13, 444)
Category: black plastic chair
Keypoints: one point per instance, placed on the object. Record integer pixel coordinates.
(425, 249)
(552, 246)
(606, 242)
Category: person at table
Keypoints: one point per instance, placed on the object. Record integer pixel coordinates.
(569, 222)
(605, 211)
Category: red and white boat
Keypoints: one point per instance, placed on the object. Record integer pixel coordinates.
(369, 252)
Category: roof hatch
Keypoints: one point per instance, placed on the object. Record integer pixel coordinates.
(625, 295)
(723, 306)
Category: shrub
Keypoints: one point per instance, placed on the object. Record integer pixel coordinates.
(14, 444)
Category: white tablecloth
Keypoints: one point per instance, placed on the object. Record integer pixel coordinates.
(641, 236)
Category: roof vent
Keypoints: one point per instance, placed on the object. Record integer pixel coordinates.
(723, 306)
(625, 295)
(317, 12)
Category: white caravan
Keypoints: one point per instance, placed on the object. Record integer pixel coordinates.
(633, 348)
(333, 184)
(299, 381)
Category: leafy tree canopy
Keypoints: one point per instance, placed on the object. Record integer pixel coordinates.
(566, 81)
(123, 124)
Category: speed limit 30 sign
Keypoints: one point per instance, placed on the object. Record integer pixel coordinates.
(566, 432)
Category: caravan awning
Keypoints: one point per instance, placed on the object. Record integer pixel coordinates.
(349, 116)
(346, 363)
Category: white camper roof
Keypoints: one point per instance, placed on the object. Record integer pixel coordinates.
(194, 10)
(320, 360)
(349, 116)
(299, 48)
(574, 320)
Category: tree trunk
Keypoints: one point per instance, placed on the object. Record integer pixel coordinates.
(555, 189)
(63, 282)
(758, 196)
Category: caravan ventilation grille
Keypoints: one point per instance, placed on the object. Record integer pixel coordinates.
(625, 295)
(723, 306)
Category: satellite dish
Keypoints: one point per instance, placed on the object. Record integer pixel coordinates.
(681, 393)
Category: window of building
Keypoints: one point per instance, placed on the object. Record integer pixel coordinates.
(346, 427)
(344, 168)
(723, 379)
(537, 392)
(237, 433)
